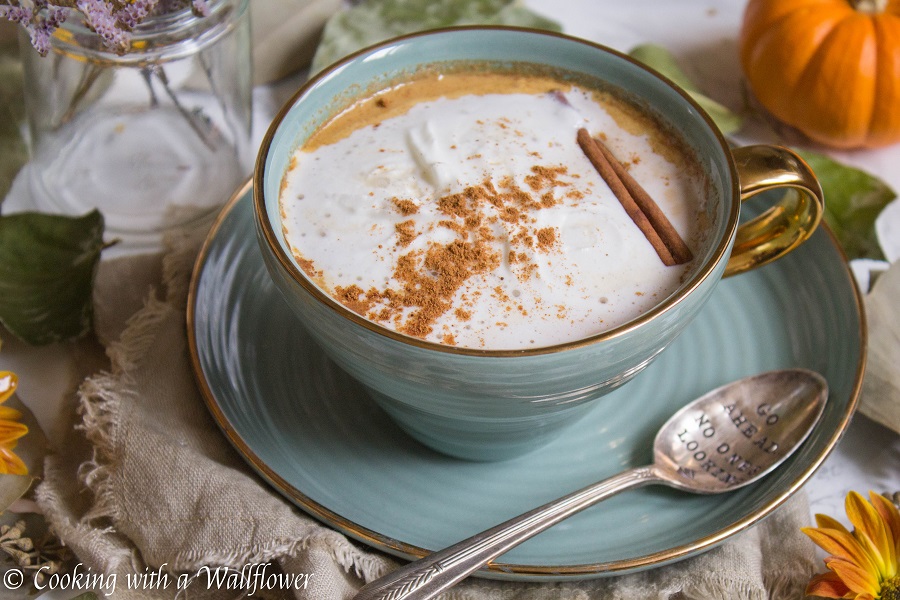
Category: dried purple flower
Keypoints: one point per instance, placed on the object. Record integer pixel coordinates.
(100, 18)
(17, 14)
(40, 20)
(40, 39)
(201, 7)
(112, 20)
(132, 14)
(43, 26)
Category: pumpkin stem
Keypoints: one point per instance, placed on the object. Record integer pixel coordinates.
(872, 7)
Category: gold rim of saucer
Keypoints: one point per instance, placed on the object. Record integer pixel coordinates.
(288, 264)
(533, 572)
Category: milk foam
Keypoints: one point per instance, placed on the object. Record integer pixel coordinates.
(357, 208)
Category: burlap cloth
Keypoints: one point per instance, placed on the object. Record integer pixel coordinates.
(147, 481)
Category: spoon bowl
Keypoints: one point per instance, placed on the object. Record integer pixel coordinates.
(724, 440)
(737, 433)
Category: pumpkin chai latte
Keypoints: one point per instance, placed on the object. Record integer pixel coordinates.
(459, 208)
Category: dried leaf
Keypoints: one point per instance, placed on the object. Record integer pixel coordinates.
(887, 231)
(880, 398)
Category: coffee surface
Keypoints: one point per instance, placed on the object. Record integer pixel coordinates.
(459, 209)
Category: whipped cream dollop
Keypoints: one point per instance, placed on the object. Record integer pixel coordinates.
(476, 220)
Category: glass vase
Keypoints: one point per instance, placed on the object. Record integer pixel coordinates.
(156, 138)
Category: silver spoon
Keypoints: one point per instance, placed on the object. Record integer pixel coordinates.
(724, 440)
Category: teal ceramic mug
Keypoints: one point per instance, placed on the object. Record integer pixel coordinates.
(496, 404)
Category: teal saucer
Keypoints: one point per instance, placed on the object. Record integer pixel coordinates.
(316, 437)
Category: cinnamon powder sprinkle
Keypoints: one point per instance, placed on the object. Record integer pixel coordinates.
(454, 206)
(460, 229)
(546, 238)
(527, 271)
(353, 298)
(524, 238)
(308, 267)
(406, 232)
(405, 207)
(426, 281)
(542, 177)
(548, 200)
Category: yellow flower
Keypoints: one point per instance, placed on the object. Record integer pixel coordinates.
(863, 563)
(10, 428)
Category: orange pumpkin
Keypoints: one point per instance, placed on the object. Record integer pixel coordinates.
(830, 68)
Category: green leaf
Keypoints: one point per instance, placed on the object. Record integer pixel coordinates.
(373, 21)
(853, 200)
(47, 267)
(13, 153)
(661, 60)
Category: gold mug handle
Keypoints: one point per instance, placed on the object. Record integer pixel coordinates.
(785, 225)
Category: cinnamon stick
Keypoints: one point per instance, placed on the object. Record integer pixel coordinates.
(667, 232)
(592, 150)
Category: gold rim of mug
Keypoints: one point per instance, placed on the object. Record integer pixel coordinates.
(287, 263)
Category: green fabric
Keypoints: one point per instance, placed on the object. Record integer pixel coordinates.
(373, 21)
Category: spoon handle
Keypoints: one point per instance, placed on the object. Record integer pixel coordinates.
(438, 571)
